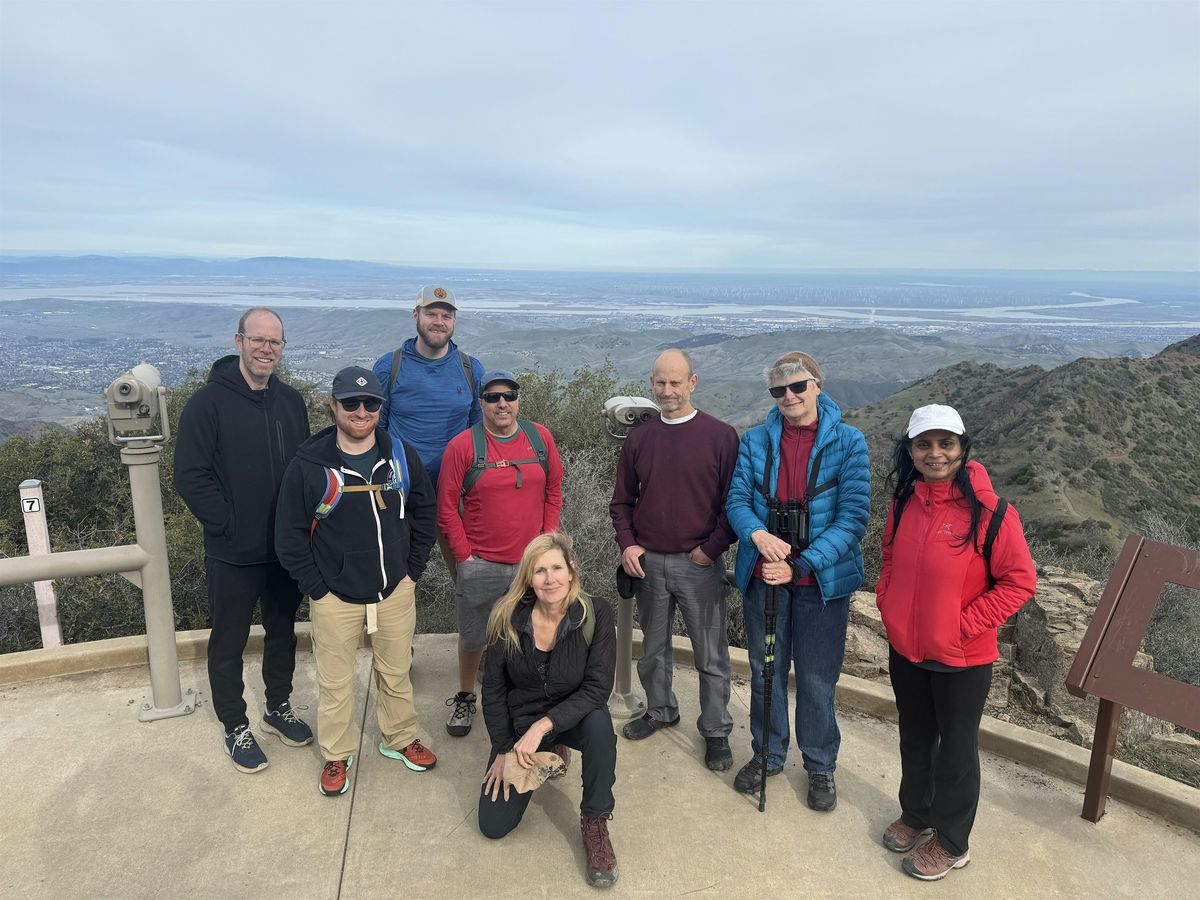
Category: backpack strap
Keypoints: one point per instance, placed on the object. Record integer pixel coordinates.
(480, 463)
(989, 539)
(397, 362)
(469, 374)
(332, 496)
(589, 621)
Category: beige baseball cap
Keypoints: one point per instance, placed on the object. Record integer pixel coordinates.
(545, 765)
(431, 295)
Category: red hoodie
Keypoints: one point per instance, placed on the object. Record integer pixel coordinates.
(933, 594)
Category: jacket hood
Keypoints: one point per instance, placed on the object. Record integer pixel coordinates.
(980, 481)
(227, 372)
(322, 447)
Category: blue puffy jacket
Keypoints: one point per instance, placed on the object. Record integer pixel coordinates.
(837, 516)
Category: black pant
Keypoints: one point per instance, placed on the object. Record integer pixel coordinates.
(232, 593)
(939, 747)
(597, 742)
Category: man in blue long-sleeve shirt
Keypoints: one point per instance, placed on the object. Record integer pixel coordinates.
(432, 388)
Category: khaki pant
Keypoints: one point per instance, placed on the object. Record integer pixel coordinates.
(336, 629)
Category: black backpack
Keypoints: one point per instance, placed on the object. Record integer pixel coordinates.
(480, 461)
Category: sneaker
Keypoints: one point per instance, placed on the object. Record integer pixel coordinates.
(243, 749)
(749, 779)
(933, 862)
(822, 792)
(462, 716)
(642, 728)
(601, 860)
(717, 755)
(900, 838)
(415, 756)
(287, 726)
(333, 776)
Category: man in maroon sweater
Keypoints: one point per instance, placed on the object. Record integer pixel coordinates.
(668, 511)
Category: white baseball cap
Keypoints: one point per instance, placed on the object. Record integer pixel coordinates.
(935, 417)
(431, 296)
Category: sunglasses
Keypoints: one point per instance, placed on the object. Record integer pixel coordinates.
(370, 404)
(796, 387)
(494, 396)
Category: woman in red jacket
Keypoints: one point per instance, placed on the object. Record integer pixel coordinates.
(941, 603)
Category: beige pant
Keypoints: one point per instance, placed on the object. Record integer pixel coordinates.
(336, 629)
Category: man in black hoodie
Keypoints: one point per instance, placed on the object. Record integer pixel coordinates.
(357, 515)
(236, 436)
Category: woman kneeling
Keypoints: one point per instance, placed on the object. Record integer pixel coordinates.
(547, 677)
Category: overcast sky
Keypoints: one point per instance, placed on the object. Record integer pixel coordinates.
(607, 134)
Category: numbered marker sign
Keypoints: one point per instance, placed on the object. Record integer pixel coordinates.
(31, 504)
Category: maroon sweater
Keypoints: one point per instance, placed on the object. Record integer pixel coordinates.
(671, 486)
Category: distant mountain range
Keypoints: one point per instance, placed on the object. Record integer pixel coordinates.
(1086, 449)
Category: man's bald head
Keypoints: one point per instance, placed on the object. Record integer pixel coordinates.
(673, 381)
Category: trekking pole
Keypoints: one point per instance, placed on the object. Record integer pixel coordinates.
(768, 679)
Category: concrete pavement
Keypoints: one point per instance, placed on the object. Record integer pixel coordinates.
(100, 805)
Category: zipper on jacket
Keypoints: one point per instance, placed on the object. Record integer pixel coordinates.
(279, 433)
(378, 524)
(270, 458)
(920, 558)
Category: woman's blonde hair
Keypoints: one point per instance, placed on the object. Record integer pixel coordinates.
(500, 627)
(792, 364)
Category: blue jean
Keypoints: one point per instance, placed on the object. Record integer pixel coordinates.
(812, 634)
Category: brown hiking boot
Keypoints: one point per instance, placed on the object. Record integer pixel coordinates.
(601, 860)
(900, 838)
(933, 862)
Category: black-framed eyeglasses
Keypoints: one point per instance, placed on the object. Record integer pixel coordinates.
(494, 396)
(259, 342)
(796, 387)
(370, 404)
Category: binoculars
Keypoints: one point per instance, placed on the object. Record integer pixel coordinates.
(788, 521)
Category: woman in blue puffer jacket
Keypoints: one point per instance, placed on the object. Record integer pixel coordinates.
(802, 453)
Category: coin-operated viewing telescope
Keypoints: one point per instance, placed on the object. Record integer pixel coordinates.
(623, 414)
(136, 407)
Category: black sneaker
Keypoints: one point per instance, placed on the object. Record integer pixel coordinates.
(243, 749)
(462, 716)
(822, 792)
(287, 726)
(749, 778)
(642, 728)
(717, 755)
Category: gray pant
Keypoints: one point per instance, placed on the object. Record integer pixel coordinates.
(480, 584)
(673, 580)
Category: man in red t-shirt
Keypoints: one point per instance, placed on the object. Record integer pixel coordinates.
(514, 499)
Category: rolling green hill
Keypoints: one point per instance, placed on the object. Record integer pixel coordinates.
(1086, 449)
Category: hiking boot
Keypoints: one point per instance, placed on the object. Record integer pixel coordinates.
(287, 726)
(900, 838)
(822, 792)
(415, 756)
(463, 714)
(749, 778)
(642, 728)
(601, 860)
(717, 755)
(933, 862)
(243, 749)
(334, 780)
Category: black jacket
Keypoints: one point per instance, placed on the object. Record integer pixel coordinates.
(578, 680)
(231, 449)
(358, 551)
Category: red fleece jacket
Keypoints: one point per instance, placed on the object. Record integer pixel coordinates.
(932, 594)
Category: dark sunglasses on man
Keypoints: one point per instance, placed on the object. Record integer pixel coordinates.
(796, 387)
(494, 396)
(370, 404)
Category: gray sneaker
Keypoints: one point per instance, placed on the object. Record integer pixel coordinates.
(462, 717)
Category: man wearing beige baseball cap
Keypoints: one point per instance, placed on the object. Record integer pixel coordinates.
(431, 388)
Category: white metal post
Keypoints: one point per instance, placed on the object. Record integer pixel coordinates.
(33, 509)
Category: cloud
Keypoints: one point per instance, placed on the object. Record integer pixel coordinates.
(607, 134)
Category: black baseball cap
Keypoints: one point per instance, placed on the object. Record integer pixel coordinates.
(355, 381)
